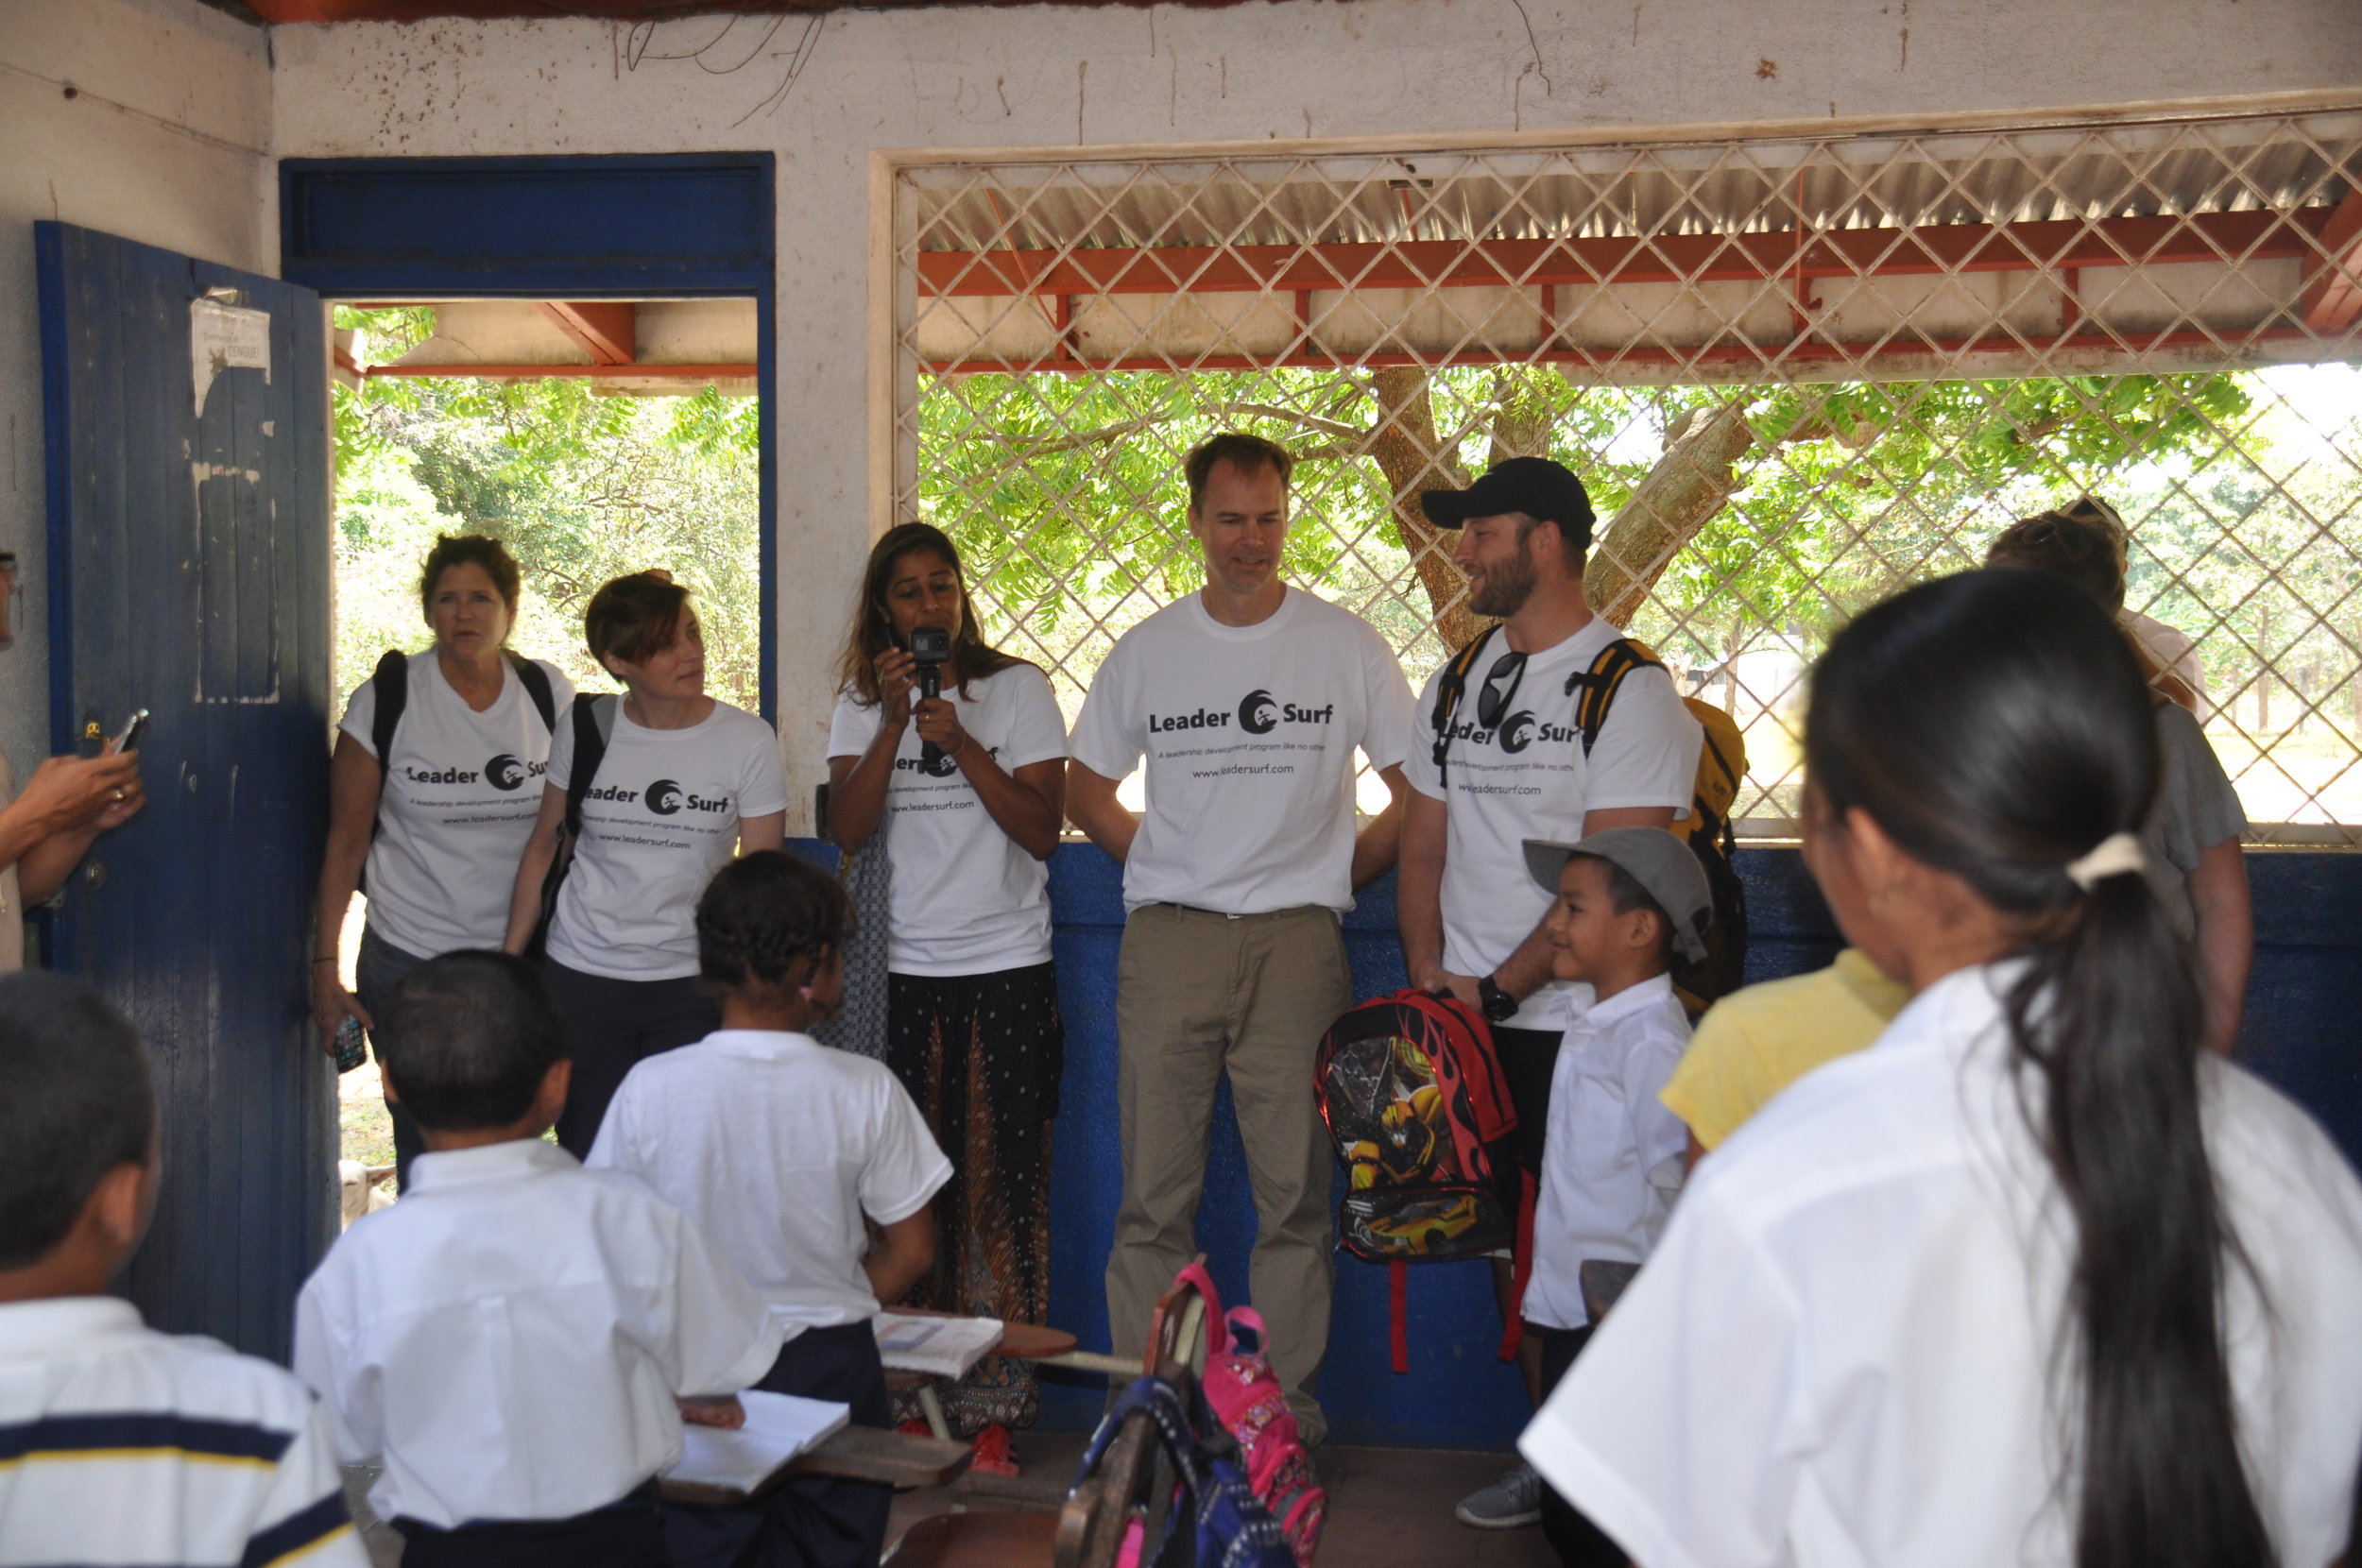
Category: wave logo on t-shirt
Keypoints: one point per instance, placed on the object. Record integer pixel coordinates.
(667, 798)
(1258, 714)
(507, 773)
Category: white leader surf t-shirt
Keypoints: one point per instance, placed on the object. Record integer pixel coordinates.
(661, 819)
(1530, 779)
(1249, 733)
(460, 794)
(965, 899)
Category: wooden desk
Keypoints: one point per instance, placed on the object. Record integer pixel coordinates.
(1019, 1341)
(858, 1454)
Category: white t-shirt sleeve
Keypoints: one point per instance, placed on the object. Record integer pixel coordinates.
(710, 1333)
(854, 724)
(1674, 1431)
(361, 716)
(906, 1169)
(1037, 728)
(1386, 739)
(1647, 753)
(560, 769)
(323, 1360)
(762, 777)
(1663, 1138)
(1418, 763)
(1110, 735)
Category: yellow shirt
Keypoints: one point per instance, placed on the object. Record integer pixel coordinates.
(1754, 1043)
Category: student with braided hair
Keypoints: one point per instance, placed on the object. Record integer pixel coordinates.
(785, 1153)
(2036, 1278)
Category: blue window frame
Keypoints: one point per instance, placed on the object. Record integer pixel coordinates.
(553, 229)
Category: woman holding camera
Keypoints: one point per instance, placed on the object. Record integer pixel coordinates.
(676, 782)
(430, 791)
(967, 787)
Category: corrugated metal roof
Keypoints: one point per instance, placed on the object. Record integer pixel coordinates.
(1852, 183)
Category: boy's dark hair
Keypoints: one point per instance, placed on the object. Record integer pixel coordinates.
(1243, 452)
(767, 918)
(468, 1039)
(634, 618)
(77, 1102)
(452, 550)
(1625, 895)
(2078, 546)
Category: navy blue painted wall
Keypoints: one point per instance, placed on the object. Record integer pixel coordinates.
(2300, 1033)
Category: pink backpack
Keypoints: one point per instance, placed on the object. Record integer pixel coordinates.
(1248, 1399)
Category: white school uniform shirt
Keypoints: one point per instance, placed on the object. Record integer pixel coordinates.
(1530, 779)
(1842, 1351)
(1611, 1161)
(120, 1446)
(510, 1336)
(1249, 733)
(965, 899)
(457, 805)
(661, 819)
(777, 1146)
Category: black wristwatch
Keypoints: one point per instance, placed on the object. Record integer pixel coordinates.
(1496, 1005)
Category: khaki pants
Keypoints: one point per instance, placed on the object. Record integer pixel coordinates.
(1198, 994)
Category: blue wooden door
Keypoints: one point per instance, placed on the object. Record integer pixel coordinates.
(189, 576)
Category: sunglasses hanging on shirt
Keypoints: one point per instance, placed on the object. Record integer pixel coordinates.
(1494, 699)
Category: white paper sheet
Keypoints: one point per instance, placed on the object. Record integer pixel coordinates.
(779, 1428)
(948, 1347)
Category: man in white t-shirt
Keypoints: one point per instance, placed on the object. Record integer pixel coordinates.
(1506, 763)
(1248, 699)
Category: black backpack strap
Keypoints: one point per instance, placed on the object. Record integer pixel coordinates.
(1448, 692)
(594, 722)
(391, 682)
(536, 681)
(1602, 681)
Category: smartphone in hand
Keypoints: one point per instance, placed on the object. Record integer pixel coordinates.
(130, 738)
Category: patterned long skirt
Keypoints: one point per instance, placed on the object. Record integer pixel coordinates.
(980, 1054)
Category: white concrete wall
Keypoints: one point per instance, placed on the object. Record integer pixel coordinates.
(144, 118)
(1052, 78)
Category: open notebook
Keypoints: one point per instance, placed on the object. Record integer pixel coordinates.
(948, 1347)
(716, 1466)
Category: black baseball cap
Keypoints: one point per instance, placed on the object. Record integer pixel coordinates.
(1534, 486)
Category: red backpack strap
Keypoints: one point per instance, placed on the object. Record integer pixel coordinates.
(1398, 1313)
(1520, 1268)
(1217, 1331)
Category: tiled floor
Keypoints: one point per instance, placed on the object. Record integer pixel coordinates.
(1388, 1507)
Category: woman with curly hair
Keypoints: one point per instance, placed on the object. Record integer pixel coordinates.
(965, 788)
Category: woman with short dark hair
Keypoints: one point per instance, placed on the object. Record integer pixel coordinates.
(431, 793)
(2036, 1278)
(965, 789)
(675, 783)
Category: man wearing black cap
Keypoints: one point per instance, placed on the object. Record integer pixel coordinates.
(1500, 760)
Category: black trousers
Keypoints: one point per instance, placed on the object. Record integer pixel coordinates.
(612, 1026)
(627, 1535)
(806, 1521)
(379, 967)
(1578, 1543)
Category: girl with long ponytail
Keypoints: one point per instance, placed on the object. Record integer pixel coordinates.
(2035, 1279)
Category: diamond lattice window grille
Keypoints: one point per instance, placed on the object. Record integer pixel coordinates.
(1798, 374)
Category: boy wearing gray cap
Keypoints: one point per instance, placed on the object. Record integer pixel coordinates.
(1625, 900)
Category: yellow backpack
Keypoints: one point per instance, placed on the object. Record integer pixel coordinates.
(1721, 763)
